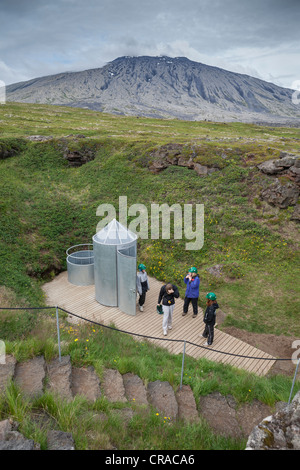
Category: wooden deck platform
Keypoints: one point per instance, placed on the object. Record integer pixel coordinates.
(81, 301)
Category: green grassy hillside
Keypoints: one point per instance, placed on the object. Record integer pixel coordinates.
(46, 206)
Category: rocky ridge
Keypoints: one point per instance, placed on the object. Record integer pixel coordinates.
(174, 154)
(284, 190)
(284, 173)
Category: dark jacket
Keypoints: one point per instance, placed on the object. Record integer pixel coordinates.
(168, 299)
(192, 287)
(210, 314)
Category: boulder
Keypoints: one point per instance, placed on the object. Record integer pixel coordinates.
(287, 154)
(183, 161)
(281, 195)
(294, 174)
(16, 441)
(269, 167)
(59, 440)
(5, 427)
(285, 162)
(296, 214)
(11, 439)
(201, 170)
(158, 165)
(280, 431)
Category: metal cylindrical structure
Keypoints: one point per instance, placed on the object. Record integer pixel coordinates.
(106, 244)
(80, 264)
(126, 262)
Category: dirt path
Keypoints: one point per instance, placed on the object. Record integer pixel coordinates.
(277, 346)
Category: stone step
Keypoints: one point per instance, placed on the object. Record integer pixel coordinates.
(7, 371)
(113, 386)
(135, 389)
(221, 412)
(68, 381)
(30, 375)
(85, 382)
(60, 377)
(187, 408)
(162, 397)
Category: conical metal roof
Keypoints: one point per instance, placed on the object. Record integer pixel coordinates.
(114, 233)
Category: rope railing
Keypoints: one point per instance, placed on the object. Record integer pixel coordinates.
(153, 338)
(146, 336)
(170, 339)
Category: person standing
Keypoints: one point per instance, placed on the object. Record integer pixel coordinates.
(192, 282)
(210, 318)
(167, 295)
(142, 285)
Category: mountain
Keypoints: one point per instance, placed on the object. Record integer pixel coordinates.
(164, 87)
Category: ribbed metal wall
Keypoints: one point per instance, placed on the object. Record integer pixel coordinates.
(110, 284)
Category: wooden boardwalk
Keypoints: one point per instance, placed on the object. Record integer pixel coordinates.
(81, 301)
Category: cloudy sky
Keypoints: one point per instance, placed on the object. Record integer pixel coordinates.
(258, 37)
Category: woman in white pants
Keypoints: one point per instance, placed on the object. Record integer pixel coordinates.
(167, 296)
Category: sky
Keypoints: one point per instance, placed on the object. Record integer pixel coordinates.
(260, 38)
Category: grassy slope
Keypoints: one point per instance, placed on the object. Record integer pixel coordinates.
(47, 207)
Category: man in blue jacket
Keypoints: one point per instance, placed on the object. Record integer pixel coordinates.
(192, 282)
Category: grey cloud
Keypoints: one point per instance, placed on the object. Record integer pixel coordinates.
(17, 7)
(41, 37)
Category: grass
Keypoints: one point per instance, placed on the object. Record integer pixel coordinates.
(99, 425)
(46, 207)
(99, 428)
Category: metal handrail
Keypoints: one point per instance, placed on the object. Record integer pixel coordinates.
(75, 246)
